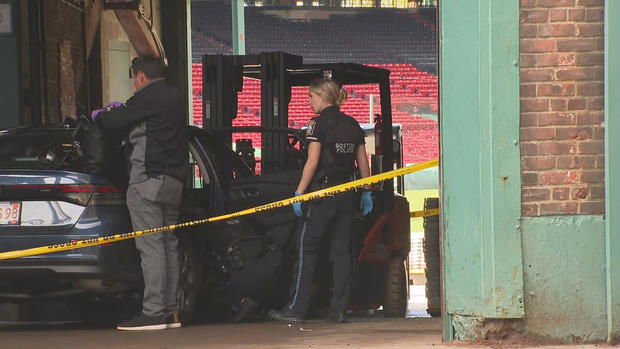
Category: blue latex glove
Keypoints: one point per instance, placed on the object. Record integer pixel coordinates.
(366, 203)
(297, 206)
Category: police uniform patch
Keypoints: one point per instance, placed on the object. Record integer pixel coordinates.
(344, 148)
(310, 129)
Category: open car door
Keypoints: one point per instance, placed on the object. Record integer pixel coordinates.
(263, 188)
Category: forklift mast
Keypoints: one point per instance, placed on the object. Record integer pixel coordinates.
(279, 72)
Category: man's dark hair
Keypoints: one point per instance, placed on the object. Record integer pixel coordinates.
(152, 67)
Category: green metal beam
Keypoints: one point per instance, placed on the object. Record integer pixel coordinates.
(612, 167)
(460, 157)
(481, 185)
(501, 170)
(238, 27)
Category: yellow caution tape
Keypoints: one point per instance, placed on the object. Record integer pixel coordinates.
(286, 202)
(424, 213)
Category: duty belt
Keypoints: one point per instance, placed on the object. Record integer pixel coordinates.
(327, 181)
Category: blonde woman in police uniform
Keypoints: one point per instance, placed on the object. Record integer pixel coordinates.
(336, 145)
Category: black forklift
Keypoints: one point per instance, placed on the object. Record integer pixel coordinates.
(382, 239)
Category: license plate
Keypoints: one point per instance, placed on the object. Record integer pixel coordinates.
(10, 213)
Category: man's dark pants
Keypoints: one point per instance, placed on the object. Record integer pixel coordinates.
(332, 215)
(155, 203)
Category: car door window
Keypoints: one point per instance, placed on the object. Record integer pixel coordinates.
(198, 193)
(198, 176)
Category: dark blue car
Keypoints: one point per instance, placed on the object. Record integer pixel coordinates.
(49, 195)
(52, 192)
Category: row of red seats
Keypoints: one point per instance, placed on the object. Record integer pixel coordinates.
(420, 135)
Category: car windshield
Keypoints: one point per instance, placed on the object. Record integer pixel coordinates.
(37, 149)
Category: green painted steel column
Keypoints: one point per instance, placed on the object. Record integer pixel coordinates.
(481, 187)
(501, 163)
(612, 166)
(9, 65)
(238, 27)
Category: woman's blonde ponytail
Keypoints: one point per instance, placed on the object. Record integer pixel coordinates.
(330, 90)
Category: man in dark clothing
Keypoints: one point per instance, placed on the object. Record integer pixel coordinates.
(156, 153)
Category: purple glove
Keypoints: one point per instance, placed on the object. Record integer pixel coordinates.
(114, 104)
(108, 107)
(96, 112)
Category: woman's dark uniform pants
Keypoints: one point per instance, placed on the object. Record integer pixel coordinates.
(332, 215)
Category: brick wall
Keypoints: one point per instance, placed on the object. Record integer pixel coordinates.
(562, 107)
(64, 59)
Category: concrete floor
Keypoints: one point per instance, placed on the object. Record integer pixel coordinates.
(373, 332)
(363, 331)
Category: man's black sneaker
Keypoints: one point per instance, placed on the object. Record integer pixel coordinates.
(143, 322)
(285, 315)
(337, 318)
(173, 320)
